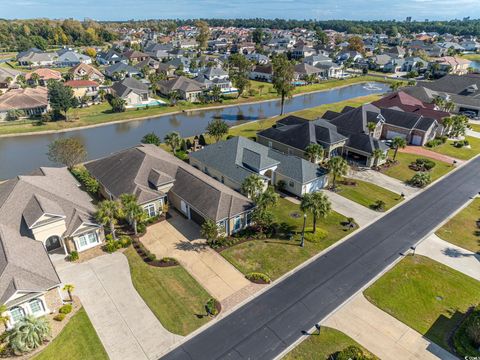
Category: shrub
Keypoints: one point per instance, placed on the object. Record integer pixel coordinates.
(351, 353)
(379, 205)
(422, 164)
(420, 179)
(211, 307)
(125, 241)
(466, 339)
(111, 246)
(151, 256)
(257, 277)
(59, 317)
(201, 140)
(28, 334)
(151, 138)
(65, 309)
(281, 185)
(73, 256)
(141, 228)
(87, 180)
(433, 143)
(169, 260)
(315, 237)
(461, 143)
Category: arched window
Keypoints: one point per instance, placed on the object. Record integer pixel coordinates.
(36, 306)
(16, 314)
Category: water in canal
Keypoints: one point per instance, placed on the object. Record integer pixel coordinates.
(22, 154)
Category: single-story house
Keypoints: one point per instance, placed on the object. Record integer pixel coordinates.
(111, 57)
(68, 58)
(131, 90)
(32, 101)
(87, 72)
(304, 71)
(135, 56)
(8, 77)
(188, 89)
(36, 57)
(120, 70)
(262, 73)
(233, 160)
(43, 75)
(155, 177)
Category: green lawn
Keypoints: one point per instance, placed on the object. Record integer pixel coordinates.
(367, 194)
(459, 153)
(99, 114)
(402, 172)
(250, 129)
(77, 341)
(275, 257)
(426, 295)
(462, 229)
(475, 127)
(176, 299)
(321, 347)
(473, 57)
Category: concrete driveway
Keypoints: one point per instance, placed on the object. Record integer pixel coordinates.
(124, 323)
(382, 334)
(179, 238)
(362, 215)
(387, 182)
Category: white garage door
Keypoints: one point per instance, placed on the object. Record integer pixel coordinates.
(391, 134)
(416, 140)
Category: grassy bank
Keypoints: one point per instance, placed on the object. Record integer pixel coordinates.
(101, 114)
(464, 153)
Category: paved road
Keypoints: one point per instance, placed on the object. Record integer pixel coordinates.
(267, 325)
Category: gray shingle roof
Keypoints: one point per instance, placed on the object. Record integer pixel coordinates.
(124, 87)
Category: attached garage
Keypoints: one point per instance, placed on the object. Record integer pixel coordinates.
(417, 140)
(392, 134)
(196, 217)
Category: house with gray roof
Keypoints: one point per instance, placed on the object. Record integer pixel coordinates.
(133, 91)
(42, 214)
(233, 160)
(121, 70)
(155, 177)
(188, 89)
(70, 58)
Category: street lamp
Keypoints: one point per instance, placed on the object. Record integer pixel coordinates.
(413, 248)
(302, 243)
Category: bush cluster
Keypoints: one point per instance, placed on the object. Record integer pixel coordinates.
(73, 256)
(65, 309)
(84, 177)
(112, 245)
(257, 277)
(466, 339)
(59, 317)
(461, 143)
(423, 164)
(211, 307)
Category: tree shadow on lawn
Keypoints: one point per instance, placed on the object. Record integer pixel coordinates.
(454, 253)
(443, 329)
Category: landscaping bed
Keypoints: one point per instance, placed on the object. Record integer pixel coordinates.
(324, 346)
(426, 295)
(173, 295)
(400, 169)
(368, 194)
(463, 230)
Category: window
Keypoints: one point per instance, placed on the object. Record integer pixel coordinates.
(36, 306)
(249, 217)
(150, 210)
(16, 314)
(270, 144)
(87, 239)
(291, 184)
(237, 223)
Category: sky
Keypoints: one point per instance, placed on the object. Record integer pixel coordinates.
(287, 9)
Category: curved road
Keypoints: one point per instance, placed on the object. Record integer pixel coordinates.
(268, 324)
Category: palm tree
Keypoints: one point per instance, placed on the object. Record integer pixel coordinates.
(173, 97)
(107, 214)
(173, 140)
(395, 85)
(252, 186)
(439, 102)
(317, 204)
(69, 289)
(216, 93)
(447, 123)
(28, 334)
(101, 94)
(4, 319)
(35, 78)
(133, 211)
(314, 152)
(371, 126)
(338, 166)
(398, 142)
(267, 199)
(449, 106)
(377, 155)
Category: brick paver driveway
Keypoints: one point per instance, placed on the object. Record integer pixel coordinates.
(418, 150)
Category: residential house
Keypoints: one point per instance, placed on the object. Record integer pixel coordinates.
(302, 51)
(111, 57)
(158, 51)
(69, 58)
(166, 69)
(32, 101)
(395, 65)
(155, 177)
(150, 64)
(262, 73)
(84, 90)
(258, 58)
(121, 70)
(8, 77)
(35, 57)
(292, 135)
(306, 72)
(462, 90)
(135, 56)
(188, 89)
(451, 64)
(87, 72)
(134, 92)
(233, 160)
(43, 76)
(215, 76)
(378, 62)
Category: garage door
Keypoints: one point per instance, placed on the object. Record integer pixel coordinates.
(416, 140)
(195, 216)
(391, 134)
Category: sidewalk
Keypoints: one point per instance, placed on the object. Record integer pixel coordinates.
(382, 334)
(384, 181)
(475, 134)
(362, 215)
(451, 255)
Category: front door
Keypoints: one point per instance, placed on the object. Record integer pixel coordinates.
(53, 243)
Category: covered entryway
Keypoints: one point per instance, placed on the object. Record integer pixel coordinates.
(53, 243)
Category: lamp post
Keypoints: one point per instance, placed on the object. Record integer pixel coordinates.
(413, 248)
(302, 243)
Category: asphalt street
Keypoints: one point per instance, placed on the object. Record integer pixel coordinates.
(265, 326)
